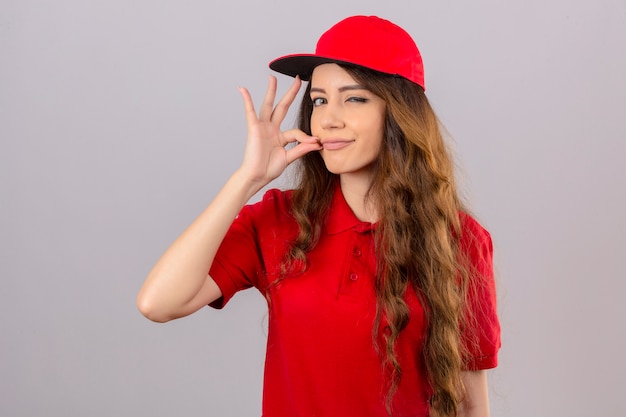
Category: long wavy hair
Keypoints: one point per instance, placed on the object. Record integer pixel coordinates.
(417, 239)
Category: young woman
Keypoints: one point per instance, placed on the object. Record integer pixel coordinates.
(379, 284)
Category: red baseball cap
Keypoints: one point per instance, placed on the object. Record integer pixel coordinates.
(366, 41)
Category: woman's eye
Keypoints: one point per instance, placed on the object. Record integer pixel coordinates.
(357, 99)
(318, 101)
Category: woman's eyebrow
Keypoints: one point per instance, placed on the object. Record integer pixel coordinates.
(341, 89)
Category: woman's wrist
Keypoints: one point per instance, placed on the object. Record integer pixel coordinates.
(248, 185)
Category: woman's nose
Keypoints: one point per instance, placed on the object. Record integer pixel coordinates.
(332, 117)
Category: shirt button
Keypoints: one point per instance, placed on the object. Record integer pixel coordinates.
(357, 252)
(354, 276)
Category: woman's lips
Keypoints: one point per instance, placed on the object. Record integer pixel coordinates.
(334, 144)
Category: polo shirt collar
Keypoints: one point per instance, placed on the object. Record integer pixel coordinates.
(341, 216)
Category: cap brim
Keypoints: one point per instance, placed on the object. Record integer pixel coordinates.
(301, 64)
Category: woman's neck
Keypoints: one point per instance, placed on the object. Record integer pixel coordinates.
(355, 189)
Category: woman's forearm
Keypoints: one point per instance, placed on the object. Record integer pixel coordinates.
(179, 284)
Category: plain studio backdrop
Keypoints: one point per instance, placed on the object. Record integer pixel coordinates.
(120, 120)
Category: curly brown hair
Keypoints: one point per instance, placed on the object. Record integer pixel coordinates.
(417, 240)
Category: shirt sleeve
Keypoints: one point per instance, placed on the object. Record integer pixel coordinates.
(238, 261)
(481, 337)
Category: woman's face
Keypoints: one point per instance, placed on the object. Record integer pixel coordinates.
(348, 120)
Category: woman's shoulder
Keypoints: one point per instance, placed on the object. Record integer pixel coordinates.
(274, 199)
(275, 194)
(473, 233)
(470, 224)
(275, 205)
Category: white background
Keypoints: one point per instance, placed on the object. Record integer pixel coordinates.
(120, 120)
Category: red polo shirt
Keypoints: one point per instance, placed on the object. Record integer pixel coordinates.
(320, 360)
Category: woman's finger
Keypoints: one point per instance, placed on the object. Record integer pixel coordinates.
(265, 114)
(248, 105)
(282, 107)
(300, 150)
(297, 135)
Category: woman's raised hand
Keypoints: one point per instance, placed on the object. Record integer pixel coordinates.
(178, 284)
(266, 157)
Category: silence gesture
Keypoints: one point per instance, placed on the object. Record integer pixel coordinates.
(266, 156)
